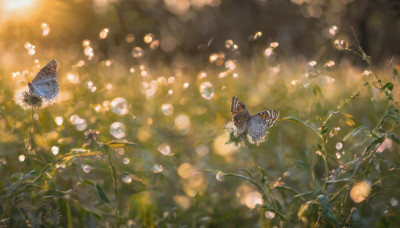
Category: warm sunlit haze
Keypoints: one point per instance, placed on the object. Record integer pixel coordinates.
(199, 113)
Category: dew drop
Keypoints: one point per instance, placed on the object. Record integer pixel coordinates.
(229, 44)
(338, 155)
(333, 30)
(366, 73)
(155, 44)
(104, 33)
(117, 129)
(339, 146)
(230, 64)
(268, 51)
(27, 45)
(148, 38)
(269, 214)
(130, 38)
(330, 63)
(73, 78)
(171, 80)
(119, 106)
(157, 168)
(167, 109)
(207, 90)
(202, 150)
(86, 43)
(55, 150)
(87, 168)
(45, 29)
(393, 202)
(202, 74)
(137, 52)
(220, 176)
(126, 179)
(59, 120)
(80, 124)
(21, 158)
(126, 161)
(164, 149)
(334, 132)
(341, 44)
(274, 44)
(88, 51)
(182, 123)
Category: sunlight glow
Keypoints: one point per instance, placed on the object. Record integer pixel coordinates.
(12, 5)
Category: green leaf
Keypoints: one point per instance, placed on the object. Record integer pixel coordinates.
(120, 143)
(388, 85)
(373, 143)
(13, 187)
(330, 216)
(323, 201)
(355, 132)
(304, 207)
(287, 189)
(394, 137)
(366, 83)
(301, 122)
(102, 196)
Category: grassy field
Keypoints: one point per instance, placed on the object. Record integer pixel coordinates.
(141, 132)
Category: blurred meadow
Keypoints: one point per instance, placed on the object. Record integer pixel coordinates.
(140, 134)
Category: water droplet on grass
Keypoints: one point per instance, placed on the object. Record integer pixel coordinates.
(164, 149)
(207, 90)
(119, 106)
(117, 129)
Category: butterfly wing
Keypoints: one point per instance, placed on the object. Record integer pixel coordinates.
(240, 114)
(45, 83)
(47, 88)
(259, 123)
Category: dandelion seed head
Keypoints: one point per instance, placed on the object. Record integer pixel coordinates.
(26, 100)
(91, 135)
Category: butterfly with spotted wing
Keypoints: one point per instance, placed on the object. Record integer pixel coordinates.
(45, 83)
(256, 124)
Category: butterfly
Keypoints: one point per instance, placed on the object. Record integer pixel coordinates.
(256, 124)
(45, 83)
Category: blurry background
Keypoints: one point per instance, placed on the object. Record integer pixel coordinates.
(161, 73)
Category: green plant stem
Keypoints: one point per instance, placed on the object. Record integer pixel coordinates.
(114, 176)
(269, 194)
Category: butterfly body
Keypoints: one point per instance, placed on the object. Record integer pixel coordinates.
(255, 125)
(45, 83)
